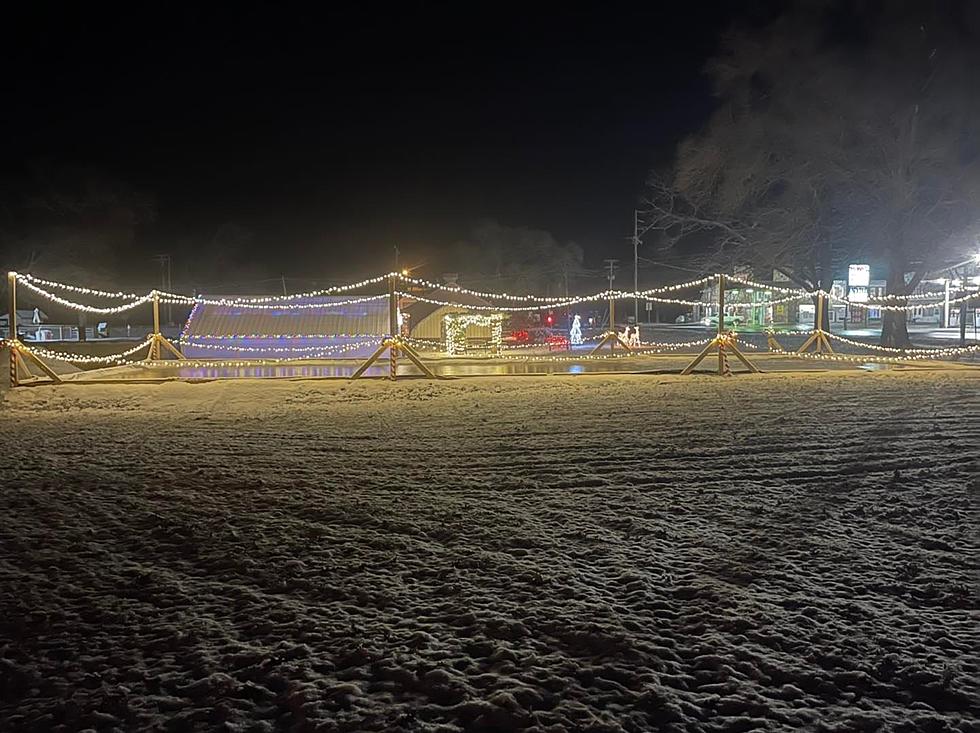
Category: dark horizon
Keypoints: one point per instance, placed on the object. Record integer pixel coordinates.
(329, 139)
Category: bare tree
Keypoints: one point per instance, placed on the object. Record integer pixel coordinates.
(829, 146)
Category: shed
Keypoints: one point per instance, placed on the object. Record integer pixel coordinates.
(425, 320)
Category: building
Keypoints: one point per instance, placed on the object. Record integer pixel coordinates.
(860, 286)
(426, 321)
(31, 325)
(316, 327)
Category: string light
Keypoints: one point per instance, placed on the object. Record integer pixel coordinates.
(939, 297)
(27, 278)
(508, 308)
(456, 324)
(763, 286)
(586, 357)
(119, 358)
(536, 302)
(243, 336)
(420, 344)
(330, 349)
(140, 300)
(876, 359)
(924, 352)
(190, 319)
(898, 308)
(486, 295)
(765, 303)
(673, 344)
(228, 303)
(489, 295)
(678, 286)
(241, 363)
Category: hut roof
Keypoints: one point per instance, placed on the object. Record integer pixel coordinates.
(368, 317)
(420, 310)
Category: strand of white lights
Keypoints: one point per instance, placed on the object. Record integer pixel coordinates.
(189, 321)
(178, 299)
(763, 286)
(241, 363)
(789, 332)
(866, 359)
(670, 301)
(923, 352)
(519, 347)
(479, 293)
(764, 303)
(508, 308)
(271, 300)
(887, 307)
(224, 302)
(28, 278)
(914, 296)
(119, 358)
(421, 344)
(87, 308)
(285, 349)
(455, 325)
(270, 336)
(595, 297)
(679, 286)
(565, 359)
(673, 345)
(489, 295)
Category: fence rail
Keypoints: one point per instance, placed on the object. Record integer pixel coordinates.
(725, 343)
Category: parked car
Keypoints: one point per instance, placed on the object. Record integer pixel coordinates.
(544, 335)
(39, 334)
(517, 338)
(733, 320)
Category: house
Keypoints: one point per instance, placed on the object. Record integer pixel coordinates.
(28, 321)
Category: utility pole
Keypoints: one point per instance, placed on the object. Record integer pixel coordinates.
(166, 282)
(397, 252)
(964, 306)
(636, 266)
(612, 276)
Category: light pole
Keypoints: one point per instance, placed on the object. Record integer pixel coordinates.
(166, 282)
(636, 267)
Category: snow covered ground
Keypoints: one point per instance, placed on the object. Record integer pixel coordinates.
(605, 553)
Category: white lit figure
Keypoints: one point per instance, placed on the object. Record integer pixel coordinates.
(634, 339)
(575, 332)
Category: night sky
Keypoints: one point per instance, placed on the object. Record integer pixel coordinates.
(334, 136)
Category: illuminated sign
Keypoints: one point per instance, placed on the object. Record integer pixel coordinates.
(859, 276)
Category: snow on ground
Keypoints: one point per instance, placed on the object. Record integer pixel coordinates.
(586, 554)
